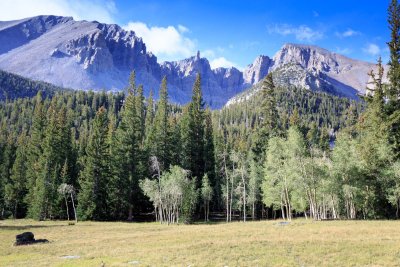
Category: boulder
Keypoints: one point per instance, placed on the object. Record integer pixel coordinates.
(27, 238)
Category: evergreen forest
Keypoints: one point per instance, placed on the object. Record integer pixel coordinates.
(284, 152)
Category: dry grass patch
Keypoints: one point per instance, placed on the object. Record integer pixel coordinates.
(266, 243)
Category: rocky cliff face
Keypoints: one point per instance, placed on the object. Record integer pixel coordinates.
(217, 84)
(76, 54)
(256, 71)
(92, 55)
(330, 72)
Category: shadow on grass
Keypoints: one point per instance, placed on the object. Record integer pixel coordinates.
(26, 227)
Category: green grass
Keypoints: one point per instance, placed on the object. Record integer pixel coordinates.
(265, 243)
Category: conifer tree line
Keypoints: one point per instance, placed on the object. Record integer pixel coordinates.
(283, 153)
(121, 155)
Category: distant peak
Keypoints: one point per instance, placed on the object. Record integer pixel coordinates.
(198, 55)
(47, 18)
(304, 46)
(262, 58)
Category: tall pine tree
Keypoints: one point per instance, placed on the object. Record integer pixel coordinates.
(15, 190)
(129, 152)
(269, 119)
(94, 177)
(393, 92)
(193, 133)
(159, 138)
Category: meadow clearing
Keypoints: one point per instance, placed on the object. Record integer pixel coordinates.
(262, 243)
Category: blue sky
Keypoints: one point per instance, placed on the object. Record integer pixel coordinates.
(231, 32)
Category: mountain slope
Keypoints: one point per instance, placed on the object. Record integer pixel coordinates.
(14, 86)
(92, 55)
(314, 68)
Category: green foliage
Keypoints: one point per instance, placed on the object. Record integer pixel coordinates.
(309, 153)
(193, 133)
(158, 141)
(394, 47)
(129, 152)
(15, 189)
(206, 193)
(94, 176)
(174, 195)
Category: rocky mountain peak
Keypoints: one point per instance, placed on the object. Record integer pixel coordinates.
(256, 71)
(309, 57)
(98, 56)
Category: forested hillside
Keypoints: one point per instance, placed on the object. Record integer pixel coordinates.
(98, 156)
(50, 141)
(13, 86)
(111, 150)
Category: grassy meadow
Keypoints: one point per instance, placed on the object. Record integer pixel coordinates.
(264, 243)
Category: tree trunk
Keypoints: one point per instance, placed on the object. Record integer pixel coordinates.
(205, 211)
(15, 210)
(231, 201)
(73, 206)
(282, 209)
(244, 196)
(130, 213)
(227, 190)
(66, 205)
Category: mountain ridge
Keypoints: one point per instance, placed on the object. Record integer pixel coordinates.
(92, 55)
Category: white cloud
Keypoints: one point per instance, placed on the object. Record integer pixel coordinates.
(372, 50)
(100, 10)
(348, 33)
(222, 62)
(302, 33)
(168, 43)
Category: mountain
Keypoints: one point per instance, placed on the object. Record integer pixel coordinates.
(313, 68)
(92, 55)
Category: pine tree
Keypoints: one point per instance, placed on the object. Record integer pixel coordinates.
(209, 151)
(269, 118)
(175, 141)
(129, 154)
(94, 178)
(2, 180)
(375, 150)
(8, 158)
(149, 120)
(56, 149)
(140, 109)
(35, 150)
(193, 133)
(269, 111)
(15, 190)
(393, 91)
(159, 136)
(394, 47)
